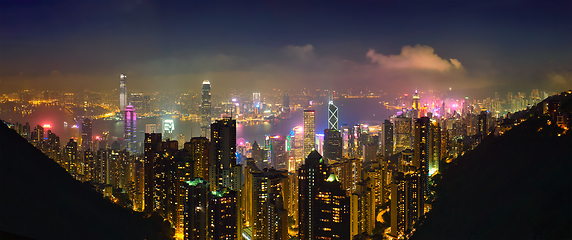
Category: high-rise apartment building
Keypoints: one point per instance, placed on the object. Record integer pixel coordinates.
(199, 148)
(86, 134)
(197, 212)
(153, 150)
(421, 156)
(349, 173)
(222, 154)
(206, 109)
(269, 209)
(362, 210)
(406, 202)
(223, 215)
(309, 131)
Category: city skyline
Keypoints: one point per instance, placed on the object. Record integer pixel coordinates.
(275, 120)
(169, 45)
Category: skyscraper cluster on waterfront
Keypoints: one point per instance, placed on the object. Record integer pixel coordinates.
(347, 183)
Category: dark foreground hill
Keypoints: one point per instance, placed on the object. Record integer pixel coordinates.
(516, 186)
(40, 200)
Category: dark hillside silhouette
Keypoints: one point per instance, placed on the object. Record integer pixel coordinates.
(40, 200)
(516, 186)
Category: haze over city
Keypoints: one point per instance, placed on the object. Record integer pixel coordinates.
(391, 45)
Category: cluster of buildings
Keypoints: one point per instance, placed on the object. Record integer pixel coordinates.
(335, 185)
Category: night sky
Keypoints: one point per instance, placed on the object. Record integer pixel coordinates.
(394, 45)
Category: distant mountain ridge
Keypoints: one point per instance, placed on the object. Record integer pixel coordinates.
(40, 200)
(516, 186)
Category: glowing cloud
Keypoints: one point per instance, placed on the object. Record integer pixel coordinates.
(417, 57)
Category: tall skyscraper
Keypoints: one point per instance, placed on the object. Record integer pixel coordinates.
(256, 103)
(297, 143)
(415, 106)
(434, 148)
(406, 202)
(86, 134)
(222, 154)
(278, 154)
(286, 103)
(332, 145)
(387, 138)
(311, 176)
(130, 129)
(332, 114)
(309, 131)
(122, 92)
(168, 128)
(269, 198)
(422, 150)
(153, 148)
(402, 130)
(206, 109)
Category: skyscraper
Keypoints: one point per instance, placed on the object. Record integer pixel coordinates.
(332, 213)
(332, 144)
(269, 200)
(168, 128)
(256, 102)
(402, 130)
(406, 202)
(286, 103)
(278, 154)
(122, 92)
(199, 148)
(223, 219)
(387, 138)
(422, 150)
(130, 129)
(434, 147)
(332, 115)
(415, 106)
(311, 176)
(206, 108)
(363, 209)
(309, 131)
(153, 148)
(86, 134)
(222, 153)
(196, 211)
